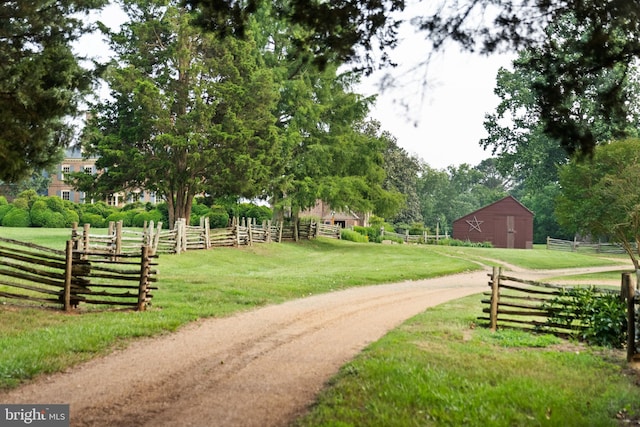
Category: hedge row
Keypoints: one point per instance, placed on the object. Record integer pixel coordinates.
(31, 210)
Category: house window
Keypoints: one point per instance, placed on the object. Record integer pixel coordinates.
(65, 169)
(88, 170)
(134, 197)
(66, 195)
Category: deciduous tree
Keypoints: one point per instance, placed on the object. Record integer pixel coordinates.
(600, 196)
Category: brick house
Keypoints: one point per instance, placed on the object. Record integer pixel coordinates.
(327, 215)
(74, 162)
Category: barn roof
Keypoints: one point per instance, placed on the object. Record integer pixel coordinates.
(496, 203)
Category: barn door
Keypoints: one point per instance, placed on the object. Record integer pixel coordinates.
(511, 232)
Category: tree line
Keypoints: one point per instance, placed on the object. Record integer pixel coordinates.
(255, 99)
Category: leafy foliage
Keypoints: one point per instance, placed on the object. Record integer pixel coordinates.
(603, 37)
(600, 196)
(602, 314)
(41, 81)
(353, 236)
(189, 113)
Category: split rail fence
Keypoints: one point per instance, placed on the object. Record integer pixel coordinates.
(577, 246)
(413, 238)
(51, 277)
(541, 307)
(243, 232)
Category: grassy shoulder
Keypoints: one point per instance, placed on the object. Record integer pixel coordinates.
(439, 369)
(534, 259)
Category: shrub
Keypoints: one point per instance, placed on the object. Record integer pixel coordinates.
(93, 219)
(119, 216)
(260, 213)
(70, 216)
(602, 314)
(465, 243)
(56, 204)
(133, 206)
(3, 201)
(54, 219)
(377, 222)
(353, 236)
(372, 233)
(141, 217)
(99, 208)
(39, 212)
(199, 209)
(17, 217)
(218, 217)
(21, 203)
(3, 211)
(30, 196)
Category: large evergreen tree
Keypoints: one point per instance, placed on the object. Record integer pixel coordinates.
(189, 113)
(40, 81)
(328, 149)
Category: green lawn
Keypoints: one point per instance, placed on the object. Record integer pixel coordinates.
(441, 369)
(464, 374)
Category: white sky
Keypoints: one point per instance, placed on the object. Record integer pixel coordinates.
(443, 124)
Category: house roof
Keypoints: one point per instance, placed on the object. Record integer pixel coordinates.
(495, 203)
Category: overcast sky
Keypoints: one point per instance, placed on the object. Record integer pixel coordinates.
(443, 124)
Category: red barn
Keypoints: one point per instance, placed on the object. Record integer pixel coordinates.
(506, 223)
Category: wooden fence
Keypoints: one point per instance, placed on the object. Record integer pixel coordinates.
(412, 238)
(541, 307)
(330, 231)
(183, 237)
(117, 240)
(527, 304)
(577, 246)
(47, 276)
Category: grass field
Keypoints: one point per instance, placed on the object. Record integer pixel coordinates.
(437, 369)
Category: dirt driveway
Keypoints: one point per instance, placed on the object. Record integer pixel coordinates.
(259, 368)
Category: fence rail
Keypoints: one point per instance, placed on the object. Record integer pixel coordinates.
(412, 238)
(577, 246)
(42, 275)
(531, 305)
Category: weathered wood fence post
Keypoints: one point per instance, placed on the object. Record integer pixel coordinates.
(207, 233)
(628, 292)
(118, 240)
(144, 278)
(68, 273)
(85, 239)
(495, 297)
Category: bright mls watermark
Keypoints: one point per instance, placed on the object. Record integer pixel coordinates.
(34, 415)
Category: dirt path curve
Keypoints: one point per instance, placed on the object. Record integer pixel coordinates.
(258, 368)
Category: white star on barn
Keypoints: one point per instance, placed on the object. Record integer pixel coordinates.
(474, 224)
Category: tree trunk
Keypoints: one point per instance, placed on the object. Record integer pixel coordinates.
(179, 206)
